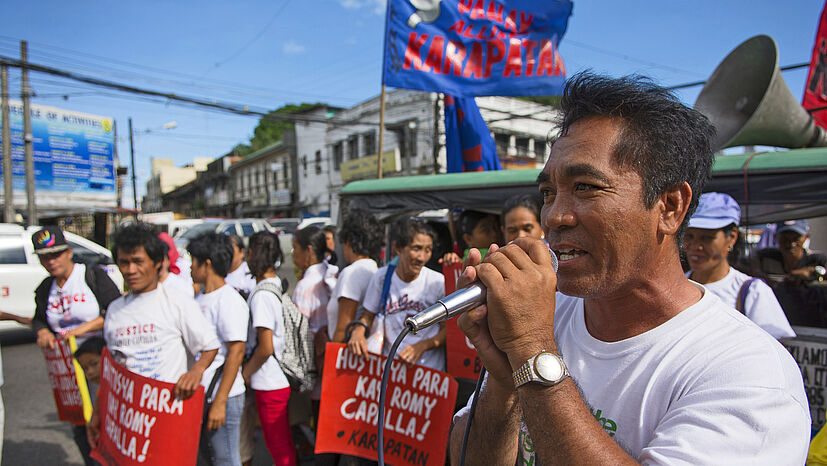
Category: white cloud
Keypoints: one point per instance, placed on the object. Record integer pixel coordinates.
(377, 6)
(292, 47)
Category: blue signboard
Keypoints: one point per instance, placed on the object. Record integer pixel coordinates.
(476, 47)
(73, 158)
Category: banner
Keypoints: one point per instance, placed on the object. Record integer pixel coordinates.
(476, 47)
(468, 143)
(418, 411)
(815, 92)
(68, 383)
(461, 356)
(141, 421)
(73, 153)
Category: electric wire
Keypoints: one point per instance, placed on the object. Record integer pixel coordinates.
(380, 426)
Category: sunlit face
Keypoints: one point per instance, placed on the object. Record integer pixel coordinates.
(57, 264)
(593, 215)
(707, 250)
(415, 255)
(198, 271)
(91, 366)
(139, 272)
(521, 222)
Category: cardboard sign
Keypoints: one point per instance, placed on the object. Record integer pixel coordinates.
(418, 410)
(66, 378)
(461, 357)
(141, 420)
(811, 357)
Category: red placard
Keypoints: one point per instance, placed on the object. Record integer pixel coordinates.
(462, 360)
(62, 376)
(141, 421)
(418, 409)
(815, 89)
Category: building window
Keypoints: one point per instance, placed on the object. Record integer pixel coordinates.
(369, 143)
(522, 146)
(304, 165)
(502, 141)
(338, 155)
(318, 162)
(353, 147)
(286, 177)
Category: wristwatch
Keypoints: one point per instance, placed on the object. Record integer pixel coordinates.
(545, 368)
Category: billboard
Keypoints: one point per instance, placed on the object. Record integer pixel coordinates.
(74, 164)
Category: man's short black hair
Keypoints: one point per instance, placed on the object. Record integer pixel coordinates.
(661, 139)
(216, 247)
(363, 232)
(92, 345)
(264, 252)
(130, 237)
(404, 230)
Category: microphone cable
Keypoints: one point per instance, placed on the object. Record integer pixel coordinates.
(473, 409)
(383, 392)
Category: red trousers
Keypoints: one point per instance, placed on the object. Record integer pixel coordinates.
(275, 425)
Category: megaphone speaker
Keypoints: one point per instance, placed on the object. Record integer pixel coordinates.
(748, 102)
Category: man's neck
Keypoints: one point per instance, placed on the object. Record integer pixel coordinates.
(213, 282)
(234, 268)
(644, 305)
(792, 260)
(62, 280)
(152, 287)
(406, 276)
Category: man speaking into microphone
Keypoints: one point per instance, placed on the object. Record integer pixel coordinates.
(630, 362)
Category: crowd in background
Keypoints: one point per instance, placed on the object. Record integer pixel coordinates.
(224, 303)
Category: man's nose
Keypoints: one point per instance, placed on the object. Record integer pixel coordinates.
(559, 214)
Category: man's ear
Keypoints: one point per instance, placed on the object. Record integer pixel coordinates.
(674, 204)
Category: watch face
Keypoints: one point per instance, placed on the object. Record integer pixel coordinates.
(548, 367)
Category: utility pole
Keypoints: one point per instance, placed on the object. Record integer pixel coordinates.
(28, 139)
(132, 168)
(8, 188)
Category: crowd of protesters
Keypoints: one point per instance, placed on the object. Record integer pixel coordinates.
(224, 308)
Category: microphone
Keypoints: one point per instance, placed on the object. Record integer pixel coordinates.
(462, 300)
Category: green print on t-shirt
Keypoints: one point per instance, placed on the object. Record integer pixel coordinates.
(526, 446)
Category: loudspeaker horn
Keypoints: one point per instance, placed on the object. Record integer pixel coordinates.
(748, 102)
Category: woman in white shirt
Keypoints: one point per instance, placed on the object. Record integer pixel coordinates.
(709, 238)
(362, 237)
(266, 339)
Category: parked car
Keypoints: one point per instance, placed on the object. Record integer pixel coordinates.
(320, 222)
(21, 272)
(243, 227)
(285, 224)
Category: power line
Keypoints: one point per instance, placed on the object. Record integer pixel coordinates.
(701, 83)
(628, 57)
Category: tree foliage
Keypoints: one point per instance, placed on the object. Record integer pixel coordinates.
(271, 130)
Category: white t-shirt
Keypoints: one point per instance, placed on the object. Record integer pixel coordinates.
(152, 333)
(352, 284)
(227, 312)
(406, 299)
(312, 294)
(180, 283)
(241, 280)
(265, 308)
(705, 387)
(760, 305)
(73, 303)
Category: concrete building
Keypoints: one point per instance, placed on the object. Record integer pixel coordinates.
(166, 177)
(414, 142)
(216, 185)
(262, 182)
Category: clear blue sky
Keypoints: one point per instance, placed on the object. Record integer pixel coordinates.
(269, 53)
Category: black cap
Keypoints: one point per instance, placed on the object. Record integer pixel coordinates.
(49, 240)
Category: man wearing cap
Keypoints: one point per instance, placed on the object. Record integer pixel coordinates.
(71, 301)
(709, 240)
(791, 260)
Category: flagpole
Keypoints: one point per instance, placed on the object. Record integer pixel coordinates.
(381, 132)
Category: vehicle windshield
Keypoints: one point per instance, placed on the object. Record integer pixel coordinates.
(198, 230)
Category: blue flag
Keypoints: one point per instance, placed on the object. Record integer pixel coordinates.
(468, 144)
(476, 47)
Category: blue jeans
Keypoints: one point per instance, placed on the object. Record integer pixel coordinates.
(220, 446)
